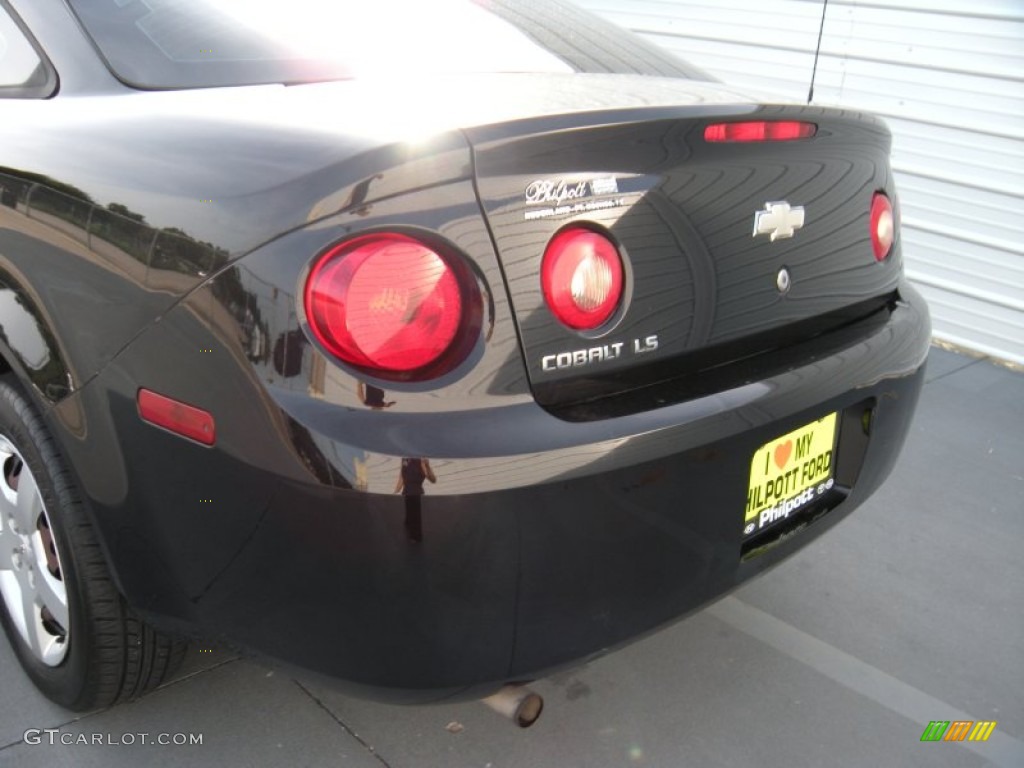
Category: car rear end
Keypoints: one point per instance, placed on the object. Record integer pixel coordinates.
(588, 354)
(438, 479)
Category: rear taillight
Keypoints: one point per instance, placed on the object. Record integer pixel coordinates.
(759, 130)
(391, 304)
(581, 276)
(883, 226)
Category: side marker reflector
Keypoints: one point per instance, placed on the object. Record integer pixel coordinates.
(175, 416)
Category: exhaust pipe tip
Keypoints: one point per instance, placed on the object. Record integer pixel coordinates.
(518, 703)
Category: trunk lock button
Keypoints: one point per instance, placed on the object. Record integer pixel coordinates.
(783, 281)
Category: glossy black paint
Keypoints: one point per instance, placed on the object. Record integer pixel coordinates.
(161, 240)
(682, 215)
(584, 538)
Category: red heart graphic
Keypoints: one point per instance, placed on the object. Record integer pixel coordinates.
(782, 452)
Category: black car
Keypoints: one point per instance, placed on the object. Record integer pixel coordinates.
(427, 347)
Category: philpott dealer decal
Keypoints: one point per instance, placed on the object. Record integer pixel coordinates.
(561, 197)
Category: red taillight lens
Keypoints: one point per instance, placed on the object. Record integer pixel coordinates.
(387, 302)
(582, 277)
(178, 417)
(760, 130)
(883, 226)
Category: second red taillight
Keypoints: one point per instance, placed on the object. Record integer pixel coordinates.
(581, 276)
(883, 226)
(389, 303)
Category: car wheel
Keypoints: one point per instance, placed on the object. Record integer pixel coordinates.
(71, 629)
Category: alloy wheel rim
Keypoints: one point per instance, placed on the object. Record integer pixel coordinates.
(31, 575)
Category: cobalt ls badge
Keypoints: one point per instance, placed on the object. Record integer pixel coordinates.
(779, 220)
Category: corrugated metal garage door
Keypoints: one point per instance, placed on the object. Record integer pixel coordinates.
(947, 75)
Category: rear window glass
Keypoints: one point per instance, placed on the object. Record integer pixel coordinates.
(190, 43)
(22, 70)
(202, 43)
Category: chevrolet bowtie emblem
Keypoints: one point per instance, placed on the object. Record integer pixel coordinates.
(779, 220)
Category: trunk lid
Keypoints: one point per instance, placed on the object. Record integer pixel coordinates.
(703, 292)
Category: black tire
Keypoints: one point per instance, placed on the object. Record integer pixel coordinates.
(107, 654)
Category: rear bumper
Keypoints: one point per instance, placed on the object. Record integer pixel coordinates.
(505, 584)
(542, 543)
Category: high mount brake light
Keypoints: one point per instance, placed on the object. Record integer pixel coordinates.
(759, 130)
(883, 226)
(581, 276)
(391, 304)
